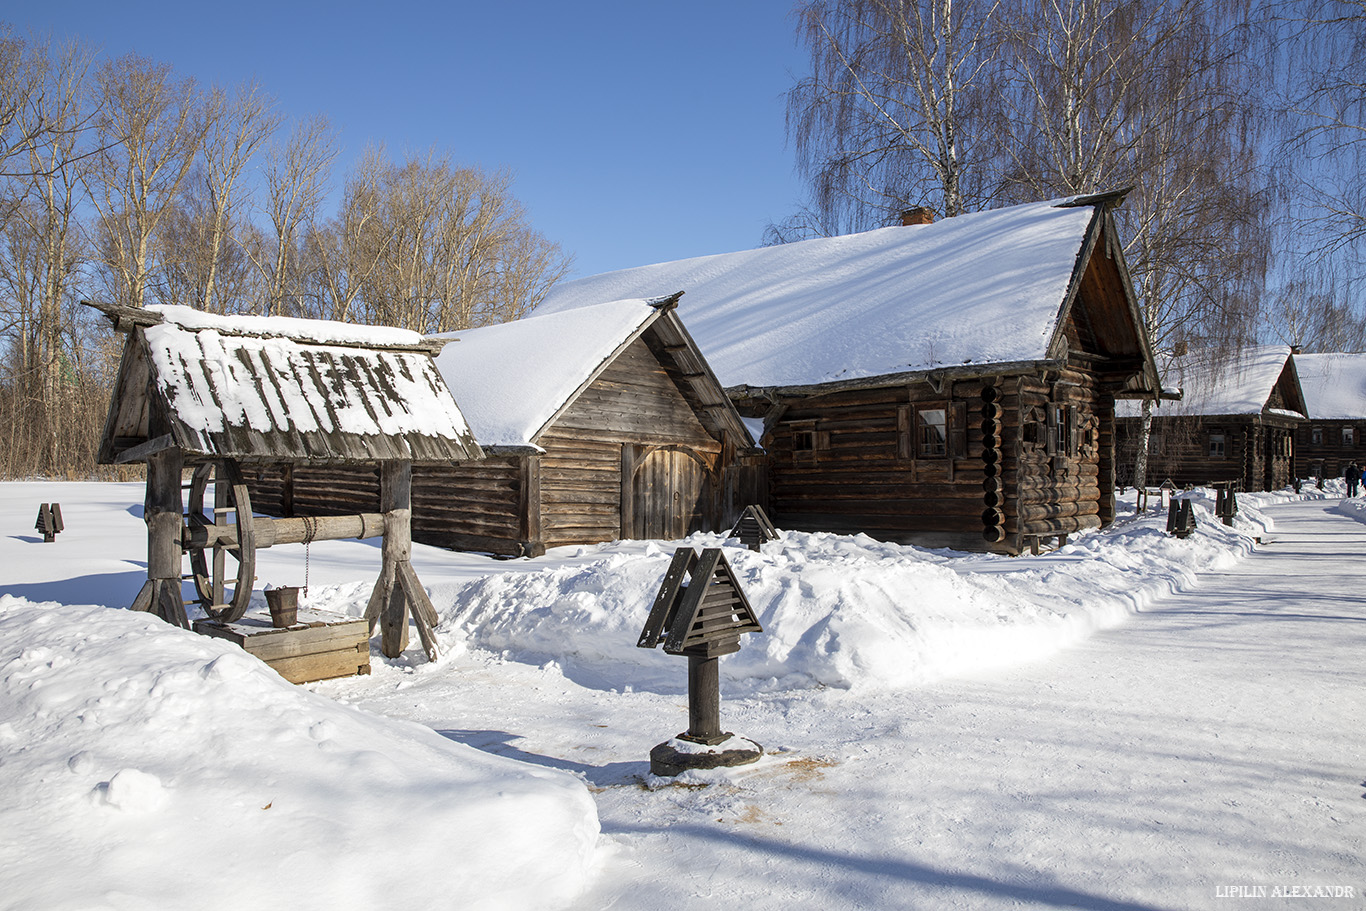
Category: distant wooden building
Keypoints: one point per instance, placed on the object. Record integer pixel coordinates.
(1335, 401)
(597, 425)
(950, 384)
(1236, 421)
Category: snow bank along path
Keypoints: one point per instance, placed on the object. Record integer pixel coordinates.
(147, 767)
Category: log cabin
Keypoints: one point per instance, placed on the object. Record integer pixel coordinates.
(1335, 401)
(945, 384)
(1235, 421)
(601, 424)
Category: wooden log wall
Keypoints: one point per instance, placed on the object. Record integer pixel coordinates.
(863, 477)
(1257, 455)
(472, 505)
(1059, 485)
(467, 506)
(1329, 451)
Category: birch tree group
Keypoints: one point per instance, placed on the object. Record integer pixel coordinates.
(121, 180)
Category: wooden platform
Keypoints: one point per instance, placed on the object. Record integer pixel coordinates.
(320, 646)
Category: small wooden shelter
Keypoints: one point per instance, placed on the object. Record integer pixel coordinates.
(222, 396)
(948, 384)
(597, 425)
(1335, 404)
(1235, 421)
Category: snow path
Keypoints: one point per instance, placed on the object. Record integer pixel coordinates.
(1208, 750)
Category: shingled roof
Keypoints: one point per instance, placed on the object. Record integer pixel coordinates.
(278, 389)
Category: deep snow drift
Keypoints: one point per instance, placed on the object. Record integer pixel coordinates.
(170, 768)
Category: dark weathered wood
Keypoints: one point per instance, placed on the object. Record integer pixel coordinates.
(704, 700)
(666, 601)
(161, 511)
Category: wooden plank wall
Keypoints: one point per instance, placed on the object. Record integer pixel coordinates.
(471, 505)
(634, 402)
(580, 490)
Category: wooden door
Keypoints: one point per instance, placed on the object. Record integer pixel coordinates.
(670, 497)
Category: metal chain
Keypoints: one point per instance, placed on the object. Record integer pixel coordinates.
(310, 530)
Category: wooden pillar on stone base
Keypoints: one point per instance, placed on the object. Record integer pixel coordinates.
(398, 591)
(162, 508)
(704, 700)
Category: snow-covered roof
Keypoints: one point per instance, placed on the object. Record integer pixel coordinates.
(256, 387)
(512, 379)
(1334, 385)
(1211, 384)
(983, 288)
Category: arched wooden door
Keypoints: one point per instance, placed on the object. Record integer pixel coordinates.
(671, 495)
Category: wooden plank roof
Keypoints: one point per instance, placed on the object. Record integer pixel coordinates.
(256, 388)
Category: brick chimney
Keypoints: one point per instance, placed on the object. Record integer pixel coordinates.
(920, 215)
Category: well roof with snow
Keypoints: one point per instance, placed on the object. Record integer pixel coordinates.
(277, 389)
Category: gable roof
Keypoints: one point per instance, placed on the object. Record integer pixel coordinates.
(1236, 386)
(276, 388)
(1334, 385)
(979, 289)
(513, 380)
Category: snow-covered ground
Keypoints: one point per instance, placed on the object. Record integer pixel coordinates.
(944, 730)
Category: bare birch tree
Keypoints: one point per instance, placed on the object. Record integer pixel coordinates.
(296, 176)
(42, 254)
(1153, 95)
(895, 112)
(150, 126)
(238, 124)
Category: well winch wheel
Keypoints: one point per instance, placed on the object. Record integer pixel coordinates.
(210, 554)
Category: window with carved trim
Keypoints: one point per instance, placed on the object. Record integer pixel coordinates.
(1348, 437)
(1218, 445)
(932, 430)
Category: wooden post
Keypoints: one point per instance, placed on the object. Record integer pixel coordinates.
(704, 700)
(162, 512)
(399, 592)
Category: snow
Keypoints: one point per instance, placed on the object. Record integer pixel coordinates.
(511, 379)
(303, 330)
(1132, 721)
(1334, 385)
(1211, 385)
(980, 288)
(215, 381)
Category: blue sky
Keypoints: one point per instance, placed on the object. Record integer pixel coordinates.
(636, 132)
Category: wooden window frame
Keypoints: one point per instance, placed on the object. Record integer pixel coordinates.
(1348, 437)
(1223, 444)
(808, 432)
(910, 438)
(1315, 436)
